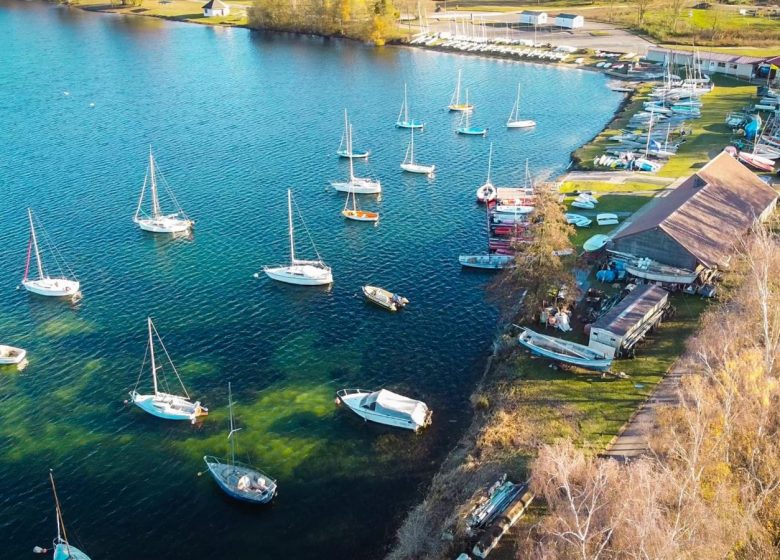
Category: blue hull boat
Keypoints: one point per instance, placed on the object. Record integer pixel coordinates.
(472, 131)
(409, 124)
(564, 351)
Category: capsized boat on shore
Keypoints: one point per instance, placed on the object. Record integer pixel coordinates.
(386, 407)
(578, 220)
(564, 351)
(596, 243)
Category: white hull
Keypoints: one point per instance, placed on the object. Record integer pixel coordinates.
(353, 400)
(164, 224)
(52, 287)
(486, 193)
(584, 204)
(513, 209)
(11, 355)
(300, 274)
(359, 186)
(487, 262)
(417, 168)
(520, 124)
(168, 407)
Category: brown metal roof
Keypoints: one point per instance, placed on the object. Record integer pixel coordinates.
(631, 310)
(707, 210)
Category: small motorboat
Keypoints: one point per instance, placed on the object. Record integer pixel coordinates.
(513, 209)
(386, 407)
(578, 220)
(564, 351)
(11, 355)
(384, 298)
(487, 262)
(607, 219)
(596, 243)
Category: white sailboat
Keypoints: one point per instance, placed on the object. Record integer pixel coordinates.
(409, 165)
(455, 104)
(300, 272)
(348, 151)
(63, 550)
(157, 221)
(488, 192)
(514, 120)
(359, 185)
(164, 404)
(45, 285)
(238, 480)
(403, 120)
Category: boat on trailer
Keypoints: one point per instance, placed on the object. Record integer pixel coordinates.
(654, 271)
(238, 480)
(45, 285)
(386, 407)
(564, 351)
(11, 355)
(384, 298)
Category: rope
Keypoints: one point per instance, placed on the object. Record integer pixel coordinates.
(143, 364)
(311, 240)
(172, 365)
(169, 192)
(59, 260)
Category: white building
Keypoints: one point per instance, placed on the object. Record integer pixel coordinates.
(216, 8)
(569, 21)
(527, 17)
(709, 62)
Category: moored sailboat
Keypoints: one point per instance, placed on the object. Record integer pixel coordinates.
(346, 150)
(409, 164)
(45, 285)
(487, 192)
(299, 271)
(63, 550)
(360, 185)
(455, 104)
(465, 127)
(403, 120)
(158, 221)
(356, 214)
(514, 120)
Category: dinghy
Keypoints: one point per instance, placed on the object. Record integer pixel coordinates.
(384, 298)
(355, 214)
(359, 185)
(564, 351)
(465, 126)
(300, 272)
(63, 550)
(455, 104)
(45, 285)
(409, 165)
(596, 243)
(487, 192)
(606, 219)
(403, 120)
(653, 271)
(158, 221)
(578, 220)
(11, 355)
(238, 480)
(386, 407)
(487, 262)
(513, 209)
(348, 151)
(514, 120)
(164, 404)
(583, 204)
(756, 162)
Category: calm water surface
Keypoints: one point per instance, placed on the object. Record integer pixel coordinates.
(235, 119)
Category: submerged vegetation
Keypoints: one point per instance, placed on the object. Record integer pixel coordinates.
(367, 20)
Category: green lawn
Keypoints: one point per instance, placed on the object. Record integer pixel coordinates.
(608, 186)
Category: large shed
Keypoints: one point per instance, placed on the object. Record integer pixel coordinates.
(698, 222)
(530, 17)
(709, 62)
(617, 331)
(569, 21)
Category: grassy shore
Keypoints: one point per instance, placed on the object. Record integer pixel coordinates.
(177, 10)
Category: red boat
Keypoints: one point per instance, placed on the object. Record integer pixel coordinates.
(756, 162)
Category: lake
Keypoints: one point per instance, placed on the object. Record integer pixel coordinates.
(236, 118)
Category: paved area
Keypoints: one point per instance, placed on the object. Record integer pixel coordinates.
(617, 177)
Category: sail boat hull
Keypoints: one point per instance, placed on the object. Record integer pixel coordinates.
(409, 124)
(241, 482)
(520, 124)
(472, 131)
(301, 274)
(354, 155)
(461, 107)
(417, 168)
(360, 215)
(169, 407)
(358, 186)
(52, 287)
(64, 551)
(164, 224)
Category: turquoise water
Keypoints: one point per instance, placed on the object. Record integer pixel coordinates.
(235, 119)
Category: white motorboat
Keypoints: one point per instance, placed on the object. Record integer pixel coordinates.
(403, 120)
(158, 221)
(409, 164)
(164, 404)
(299, 271)
(11, 355)
(384, 298)
(606, 219)
(564, 351)
(359, 185)
(514, 120)
(62, 550)
(238, 480)
(513, 209)
(455, 104)
(386, 407)
(45, 285)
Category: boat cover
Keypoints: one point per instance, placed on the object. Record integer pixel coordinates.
(392, 404)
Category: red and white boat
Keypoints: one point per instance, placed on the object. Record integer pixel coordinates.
(756, 162)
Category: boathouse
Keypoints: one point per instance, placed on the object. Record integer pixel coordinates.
(745, 67)
(216, 8)
(569, 21)
(698, 222)
(617, 331)
(529, 17)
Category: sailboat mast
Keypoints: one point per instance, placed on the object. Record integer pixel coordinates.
(457, 86)
(411, 148)
(349, 150)
(490, 164)
(35, 244)
(60, 524)
(232, 430)
(151, 354)
(516, 112)
(290, 224)
(155, 199)
(406, 106)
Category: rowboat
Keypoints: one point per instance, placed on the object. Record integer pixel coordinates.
(386, 407)
(756, 161)
(657, 272)
(578, 220)
(606, 219)
(583, 204)
(384, 298)
(596, 243)
(11, 355)
(564, 351)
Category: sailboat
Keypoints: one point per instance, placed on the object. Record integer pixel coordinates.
(63, 550)
(409, 165)
(301, 272)
(455, 104)
(45, 285)
(238, 480)
(347, 151)
(488, 191)
(403, 116)
(164, 404)
(360, 185)
(355, 214)
(514, 120)
(157, 221)
(465, 123)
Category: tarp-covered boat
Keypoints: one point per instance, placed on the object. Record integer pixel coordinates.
(386, 407)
